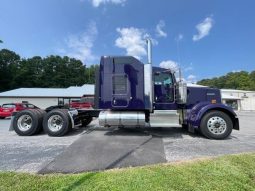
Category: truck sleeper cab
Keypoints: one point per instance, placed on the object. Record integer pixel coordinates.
(132, 94)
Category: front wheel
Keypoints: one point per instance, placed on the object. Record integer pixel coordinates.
(216, 125)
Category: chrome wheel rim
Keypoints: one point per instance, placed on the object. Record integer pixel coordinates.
(24, 123)
(55, 123)
(217, 125)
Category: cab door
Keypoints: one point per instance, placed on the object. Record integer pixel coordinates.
(164, 91)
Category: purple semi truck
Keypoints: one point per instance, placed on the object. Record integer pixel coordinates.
(129, 93)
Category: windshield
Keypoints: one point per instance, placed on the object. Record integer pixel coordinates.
(8, 106)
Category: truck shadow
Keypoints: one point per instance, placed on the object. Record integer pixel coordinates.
(160, 132)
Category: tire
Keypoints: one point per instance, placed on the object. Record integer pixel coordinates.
(26, 123)
(86, 121)
(57, 123)
(2, 117)
(40, 114)
(216, 125)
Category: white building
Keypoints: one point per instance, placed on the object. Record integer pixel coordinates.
(45, 97)
(240, 100)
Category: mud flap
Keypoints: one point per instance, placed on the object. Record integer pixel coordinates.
(12, 118)
(191, 129)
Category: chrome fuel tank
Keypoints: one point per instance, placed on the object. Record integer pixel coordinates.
(122, 118)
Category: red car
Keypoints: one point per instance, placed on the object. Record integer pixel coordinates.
(7, 109)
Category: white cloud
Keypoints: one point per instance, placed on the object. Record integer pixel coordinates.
(235, 71)
(169, 64)
(80, 46)
(132, 40)
(191, 79)
(174, 67)
(159, 29)
(97, 3)
(203, 28)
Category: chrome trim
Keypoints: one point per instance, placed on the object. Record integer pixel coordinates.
(121, 118)
(24, 122)
(71, 114)
(148, 87)
(55, 123)
(182, 93)
(165, 118)
(148, 80)
(217, 125)
(149, 50)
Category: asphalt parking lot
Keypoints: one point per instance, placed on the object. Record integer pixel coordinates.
(94, 148)
(28, 154)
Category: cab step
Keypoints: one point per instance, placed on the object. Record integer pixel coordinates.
(165, 118)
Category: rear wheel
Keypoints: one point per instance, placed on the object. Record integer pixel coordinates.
(2, 117)
(216, 125)
(40, 114)
(57, 122)
(26, 123)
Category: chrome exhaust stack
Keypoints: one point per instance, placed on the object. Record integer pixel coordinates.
(149, 50)
(148, 80)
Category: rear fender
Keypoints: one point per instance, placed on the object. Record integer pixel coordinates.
(199, 110)
(71, 114)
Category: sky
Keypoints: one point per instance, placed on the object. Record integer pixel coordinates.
(206, 38)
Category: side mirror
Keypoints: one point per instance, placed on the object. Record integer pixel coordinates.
(181, 93)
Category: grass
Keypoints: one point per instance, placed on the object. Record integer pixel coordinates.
(234, 172)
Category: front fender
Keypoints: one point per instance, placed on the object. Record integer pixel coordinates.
(199, 110)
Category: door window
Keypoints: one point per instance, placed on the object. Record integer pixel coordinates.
(164, 89)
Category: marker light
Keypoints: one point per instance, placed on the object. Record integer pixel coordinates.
(213, 101)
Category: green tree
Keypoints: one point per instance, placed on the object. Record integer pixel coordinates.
(90, 74)
(233, 80)
(252, 78)
(9, 62)
(29, 73)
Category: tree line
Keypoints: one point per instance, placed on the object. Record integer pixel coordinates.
(234, 80)
(62, 72)
(50, 72)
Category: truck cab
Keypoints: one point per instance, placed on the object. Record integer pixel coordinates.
(130, 93)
